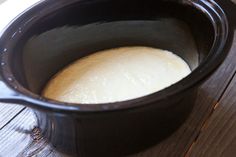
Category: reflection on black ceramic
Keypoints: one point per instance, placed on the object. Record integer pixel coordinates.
(55, 33)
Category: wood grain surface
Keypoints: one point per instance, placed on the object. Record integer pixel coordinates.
(21, 138)
(218, 137)
(8, 112)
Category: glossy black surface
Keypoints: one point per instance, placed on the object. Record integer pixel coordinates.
(54, 33)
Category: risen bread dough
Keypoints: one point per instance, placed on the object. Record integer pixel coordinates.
(116, 75)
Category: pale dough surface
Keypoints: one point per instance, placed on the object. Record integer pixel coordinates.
(116, 75)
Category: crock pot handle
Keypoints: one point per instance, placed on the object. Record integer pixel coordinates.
(7, 95)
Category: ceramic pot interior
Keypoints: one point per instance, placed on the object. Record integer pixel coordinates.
(82, 28)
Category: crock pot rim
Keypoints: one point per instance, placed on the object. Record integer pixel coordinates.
(220, 23)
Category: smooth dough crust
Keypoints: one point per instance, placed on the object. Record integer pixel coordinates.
(116, 75)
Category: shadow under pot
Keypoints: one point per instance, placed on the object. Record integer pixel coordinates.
(52, 34)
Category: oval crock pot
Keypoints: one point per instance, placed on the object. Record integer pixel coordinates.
(52, 34)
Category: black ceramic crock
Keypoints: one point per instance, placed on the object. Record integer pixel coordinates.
(53, 33)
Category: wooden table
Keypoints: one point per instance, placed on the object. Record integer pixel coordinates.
(210, 131)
